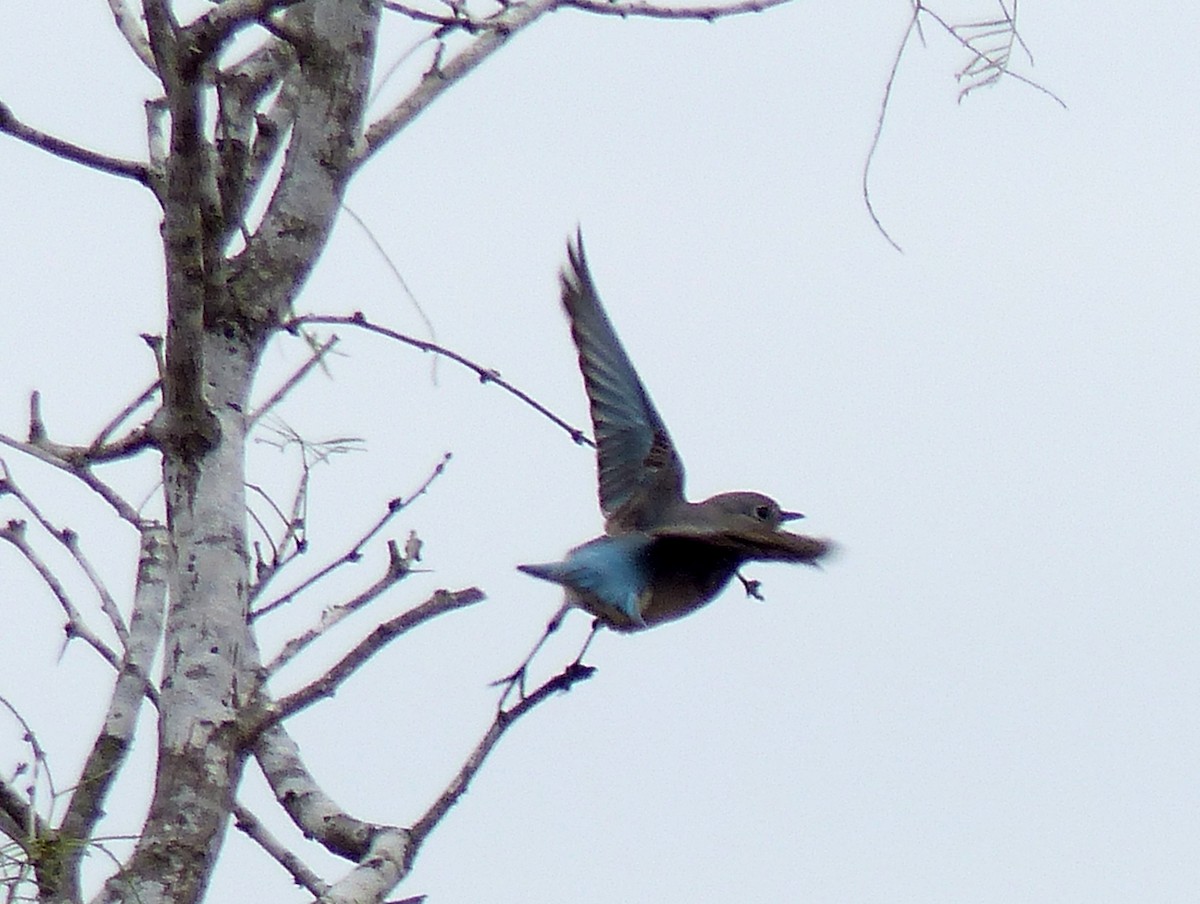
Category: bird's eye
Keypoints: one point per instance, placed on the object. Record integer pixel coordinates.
(763, 513)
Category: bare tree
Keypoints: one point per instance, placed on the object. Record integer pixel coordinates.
(292, 96)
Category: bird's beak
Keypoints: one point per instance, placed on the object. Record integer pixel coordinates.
(790, 516)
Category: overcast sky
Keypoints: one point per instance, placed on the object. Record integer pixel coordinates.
(990, 695)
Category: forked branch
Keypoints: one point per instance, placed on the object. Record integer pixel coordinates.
(440, 603)
(399, 566)
(394, 507)
(504, 719)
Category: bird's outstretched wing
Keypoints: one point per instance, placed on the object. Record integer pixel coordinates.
(639, 471)
(753, 543)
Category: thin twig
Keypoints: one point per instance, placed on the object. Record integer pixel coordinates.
(73, 152)
(354, 553)
(318, 354)
(913, 23)
(486, 375)
(399, 277)
(31, 825)
(627, 8)
(250, 825)
(107, 430)
(950, 29)
(459, 20)
(399, 567)
(83, 473)
(14, 532)
(70, 540)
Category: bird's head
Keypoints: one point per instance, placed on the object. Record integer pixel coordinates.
(752, 508)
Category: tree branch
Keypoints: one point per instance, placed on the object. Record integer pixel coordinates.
(459, 18)
(9, 123)
(381, 851)
(313, 811)
(72, 459)
(14, 532)
(319, 351)
(100, 444)
(186, 426)
(249, 824)
(399, 567)
(328, 88)
(112, 745)
(440, 603)
(627, 8)
(497, 29)
(70, 540)
(19, 819)
(135, 441)
(129, 25)
(90, 480)
(505, 718)
(486, 375)
(381, 869)
(354, 553)
(219, 24)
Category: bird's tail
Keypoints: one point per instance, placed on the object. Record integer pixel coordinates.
(555, 572)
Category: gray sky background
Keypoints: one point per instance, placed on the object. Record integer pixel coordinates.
(990, 695)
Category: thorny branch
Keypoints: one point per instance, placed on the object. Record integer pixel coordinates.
(486, 375)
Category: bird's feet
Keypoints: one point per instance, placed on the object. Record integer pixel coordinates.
(751, 586)
(510, 682)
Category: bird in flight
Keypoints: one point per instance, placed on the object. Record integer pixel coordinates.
(661, 557)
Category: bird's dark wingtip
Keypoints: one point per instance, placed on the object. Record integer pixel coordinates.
(575, 279)
(576, 257)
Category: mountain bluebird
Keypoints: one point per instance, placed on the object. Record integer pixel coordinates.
(662, 557)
